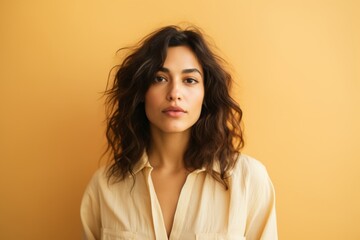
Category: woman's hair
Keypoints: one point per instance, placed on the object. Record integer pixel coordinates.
(216, 138)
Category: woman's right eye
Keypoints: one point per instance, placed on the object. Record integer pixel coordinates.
(159, 79)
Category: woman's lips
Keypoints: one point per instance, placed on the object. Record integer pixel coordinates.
(174, 111)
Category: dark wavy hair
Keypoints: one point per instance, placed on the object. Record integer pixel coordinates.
(216, 138)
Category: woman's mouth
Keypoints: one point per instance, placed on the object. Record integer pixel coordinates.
(174, 111)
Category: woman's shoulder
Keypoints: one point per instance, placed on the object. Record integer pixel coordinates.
(250, 168)
(100, 173)
(245, 161)
(98, 179)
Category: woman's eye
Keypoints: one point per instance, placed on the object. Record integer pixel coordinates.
(159, 79)
(191, 80)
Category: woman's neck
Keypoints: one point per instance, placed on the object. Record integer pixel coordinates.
(167, 150)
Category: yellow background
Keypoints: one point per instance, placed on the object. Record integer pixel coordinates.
(296, 64)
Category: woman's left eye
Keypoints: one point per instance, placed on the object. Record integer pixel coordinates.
(159, 79)
(191, 80)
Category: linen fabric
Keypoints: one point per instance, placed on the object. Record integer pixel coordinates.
(205, 210)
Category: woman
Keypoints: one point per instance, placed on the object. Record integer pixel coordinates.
(175, 138)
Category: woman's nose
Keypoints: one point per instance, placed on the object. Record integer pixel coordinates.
(174, 93)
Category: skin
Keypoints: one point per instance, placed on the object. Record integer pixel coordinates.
(173, 105)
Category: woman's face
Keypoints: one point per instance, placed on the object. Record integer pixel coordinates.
(174, 99)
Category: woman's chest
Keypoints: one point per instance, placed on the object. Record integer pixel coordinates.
(200, 209)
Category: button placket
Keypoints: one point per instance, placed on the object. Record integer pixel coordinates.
(158, 220)
(182, 206)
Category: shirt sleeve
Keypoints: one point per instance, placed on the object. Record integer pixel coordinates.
(90, 212)
(261, 221)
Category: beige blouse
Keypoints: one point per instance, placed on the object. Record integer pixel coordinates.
(205, 210)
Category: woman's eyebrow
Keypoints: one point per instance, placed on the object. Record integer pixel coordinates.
(188, 70)
(165, 70)
(191, 70)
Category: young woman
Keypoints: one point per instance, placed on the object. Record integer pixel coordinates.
(175, 138)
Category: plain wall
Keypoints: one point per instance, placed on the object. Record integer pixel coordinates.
(296, 65)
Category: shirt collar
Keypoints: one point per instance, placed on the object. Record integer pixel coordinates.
(144, 163)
